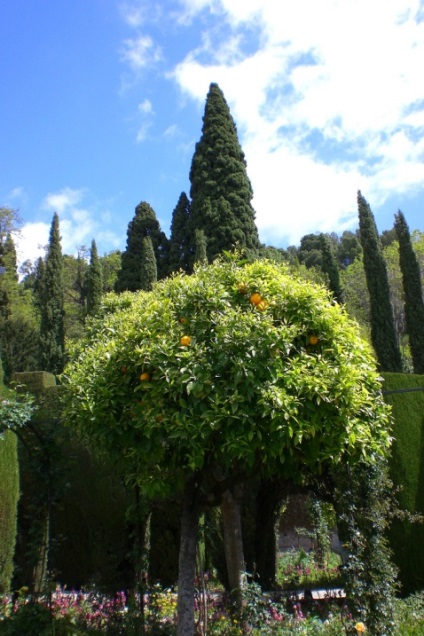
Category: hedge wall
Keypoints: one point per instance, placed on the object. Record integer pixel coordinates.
(407, 469)
(9, 495)
(90, 540)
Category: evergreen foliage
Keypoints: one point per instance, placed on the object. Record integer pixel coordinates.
(9, 495)
(407, 472)
(221, 192)
(94, 281)
(52, 328)
(149, 274)
(9, 277)
(200, 253)
(181, 242)
(330, 267)
(383, 332)
(413, 293)
(142, 225)
(349, 248)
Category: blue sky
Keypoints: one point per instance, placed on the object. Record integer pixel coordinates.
(102, 102)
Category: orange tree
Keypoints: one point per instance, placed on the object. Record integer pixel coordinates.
(239, 369)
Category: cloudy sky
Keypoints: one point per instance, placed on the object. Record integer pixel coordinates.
(102, 102)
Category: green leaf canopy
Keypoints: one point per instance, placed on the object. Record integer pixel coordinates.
(235, 366)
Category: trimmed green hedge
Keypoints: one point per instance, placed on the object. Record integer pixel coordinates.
(407, 471)
(9, 495)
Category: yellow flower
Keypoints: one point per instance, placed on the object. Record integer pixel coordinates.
(360, 628)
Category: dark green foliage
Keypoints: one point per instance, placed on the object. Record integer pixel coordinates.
(200, 253)
(20, 347)
(149, 274)
(407, 471)
(363, 503)
(75, 293)
(18, 333)
(94, 281)
(221, 192)
(52, 329)
(387, 237)
(277, 254)
(111, 264)
(75, 531)
(181, 244)
(309, 251)
(9, 495)
(8, 279)
(142, 225)
(329, 266)
(349, 248)
(413, 293)
(90, 535)
(383, 331)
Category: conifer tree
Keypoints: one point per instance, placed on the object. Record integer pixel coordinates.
(200, 247)
(94, 281)
(52, 328)
(330, 267)
(383, 332)
(148, 265)
(181, 245)
(9, 276)
(143, 224)
(221, 191)
(413, 293)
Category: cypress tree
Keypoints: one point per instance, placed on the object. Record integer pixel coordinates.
(181, 242)
(221, 191)
(200, 255)
(94, 281)
(383, 332)
(142, 225)
(148, 265)
(9, 277)
(52, 328)
(413, 293)
(330, 267)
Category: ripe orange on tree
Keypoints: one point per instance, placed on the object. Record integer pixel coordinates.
(262, 305)
(185, 341)
(145, 377)
(255, 299)
(313, 340)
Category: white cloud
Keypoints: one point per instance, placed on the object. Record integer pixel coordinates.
(140, 52)
(347, 72)
(63, 200)
(145, 107)
(31, 241)
(80, 220)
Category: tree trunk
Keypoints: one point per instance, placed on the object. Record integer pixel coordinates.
(187, 562)
(270, 495)
(233, 543)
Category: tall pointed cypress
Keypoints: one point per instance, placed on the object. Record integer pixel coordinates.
(181, 241)
(200, 254)
(330, 267)
(413, 293)
(143, 224)
(149, 273)
(221, 191)
(9, 277)
(94, 281)
(383, 332)
(52, 327)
